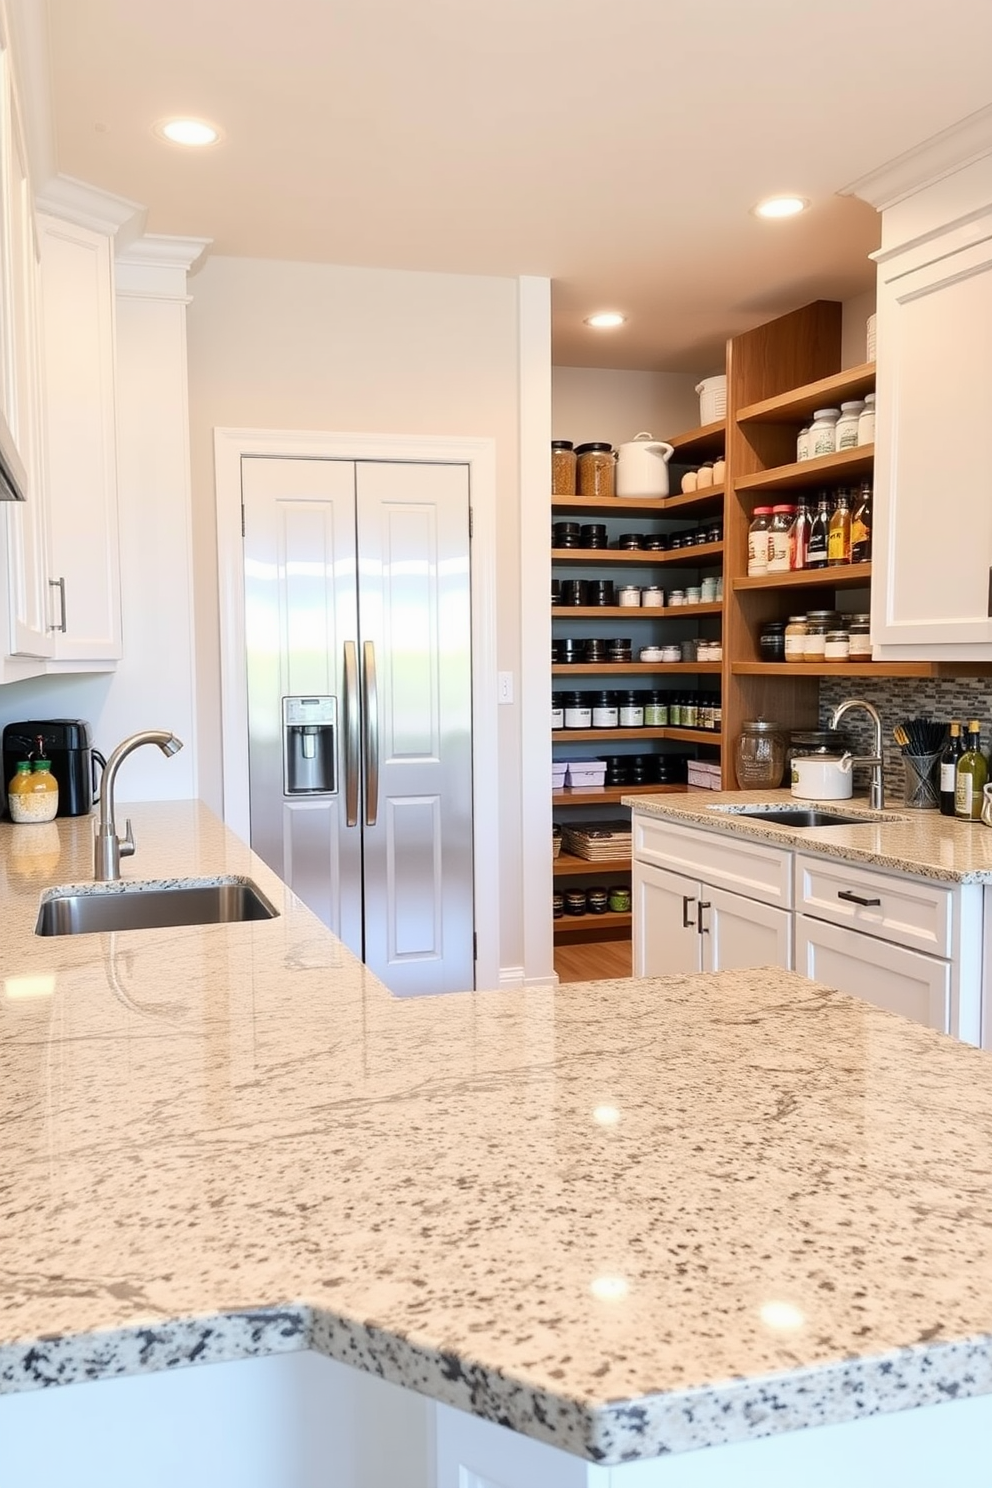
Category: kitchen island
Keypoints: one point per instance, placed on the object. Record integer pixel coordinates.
(487, 1240)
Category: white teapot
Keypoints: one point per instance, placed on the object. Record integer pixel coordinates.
(642, 466)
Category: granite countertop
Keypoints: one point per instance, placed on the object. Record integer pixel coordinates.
(923, 843)
(626, 1218)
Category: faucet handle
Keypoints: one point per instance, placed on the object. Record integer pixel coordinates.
(126, 843)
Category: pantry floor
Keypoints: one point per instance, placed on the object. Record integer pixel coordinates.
(594, 960)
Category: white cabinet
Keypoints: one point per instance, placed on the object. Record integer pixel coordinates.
(665, 934)
(81, 475)
(890, 976)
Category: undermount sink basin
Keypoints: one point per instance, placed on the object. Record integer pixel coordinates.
(152, 907)
(804, 816)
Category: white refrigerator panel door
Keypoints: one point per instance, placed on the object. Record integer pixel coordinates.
(415, 624)
(300, 610)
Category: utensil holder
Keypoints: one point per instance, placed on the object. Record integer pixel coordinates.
(921, 789)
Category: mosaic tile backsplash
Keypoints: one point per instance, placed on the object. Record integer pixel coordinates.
(897, 698)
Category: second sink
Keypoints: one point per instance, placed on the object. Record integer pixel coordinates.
(152, 907)
(804, 816)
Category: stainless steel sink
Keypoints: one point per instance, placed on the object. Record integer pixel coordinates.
(804, 816)
(152, 907)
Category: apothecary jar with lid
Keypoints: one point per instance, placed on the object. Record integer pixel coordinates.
(759, 759)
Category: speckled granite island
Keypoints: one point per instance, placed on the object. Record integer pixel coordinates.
(488, 1240)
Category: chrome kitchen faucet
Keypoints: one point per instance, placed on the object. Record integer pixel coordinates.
(108, 848)
(877, 794)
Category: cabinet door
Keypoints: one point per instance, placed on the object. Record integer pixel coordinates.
(906, 982)
(738, 932)
(933, 510)
(78, 318)
(665, 937)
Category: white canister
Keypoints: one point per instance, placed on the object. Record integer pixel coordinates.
(653, 597)
(704, 476)
(694, 594)
(823, 432)
(719, 470)
(847, 425)
(688, 482)
(802, 445)
(822, 777)
(866, 421)
(642, 467)
(629, 595)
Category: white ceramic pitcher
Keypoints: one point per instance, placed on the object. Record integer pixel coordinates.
(642, 466)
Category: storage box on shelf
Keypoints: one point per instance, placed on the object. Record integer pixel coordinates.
(645, 625)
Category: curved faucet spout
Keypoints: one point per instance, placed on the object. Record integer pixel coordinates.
(108, 847)
(877, 794)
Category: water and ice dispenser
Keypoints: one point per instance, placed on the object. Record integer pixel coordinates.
(309, 745)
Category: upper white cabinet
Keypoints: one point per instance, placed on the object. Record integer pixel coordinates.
(81, 458)
(932, 561)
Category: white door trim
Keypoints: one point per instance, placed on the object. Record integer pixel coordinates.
(480, 456)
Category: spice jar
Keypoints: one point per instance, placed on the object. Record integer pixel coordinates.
(771, 640)
(759, 758)
(578, 713)
(823, 432)
(619, 899)
(847, 425)
(631, 709)
(575, 902)
(795, 638)
(597, 900)
(815, 640)
(837, 645)
(562, 467)
(676, 597)
(604, 710)
(757, 542)
(595, 466)
(629, 595)
(600, 592)
(859, 632)
(557, 906)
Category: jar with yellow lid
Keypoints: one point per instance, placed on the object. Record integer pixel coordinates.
(33, 793)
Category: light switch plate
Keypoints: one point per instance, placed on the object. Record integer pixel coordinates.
(504, 689)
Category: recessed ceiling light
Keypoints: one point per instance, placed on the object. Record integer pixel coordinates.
(187, 132)
(780, 206)
(605, 320)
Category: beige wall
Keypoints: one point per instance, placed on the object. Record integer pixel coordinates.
(593, 403)
(320, 347)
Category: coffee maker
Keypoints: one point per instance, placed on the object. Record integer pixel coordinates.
(66, 742)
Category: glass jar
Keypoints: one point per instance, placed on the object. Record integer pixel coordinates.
(631, 709)
(557, 710)
(595, 465)
(757, 542)
(771, 640)
(562, 467)
(619, 899)
(575, 902)
(866, 421)
(780, 539)
(671, 652)
(604, 710)
(760, 755)
(795, 638)
(597, 900)
(823, 432)
(656, 710)
(847, 425)
(815, 640)
(629, 596)
(33, 794)
(802, 444)
(653, 596)
(859, 633)
(578, 713)
(676, 597)
(837, 645)
(557, 906)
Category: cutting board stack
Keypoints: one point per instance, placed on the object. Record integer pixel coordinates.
(597, 842)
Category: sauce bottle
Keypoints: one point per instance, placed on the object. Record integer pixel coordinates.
(839, 538)
(861, 524)
(817, 547)
(33, 794)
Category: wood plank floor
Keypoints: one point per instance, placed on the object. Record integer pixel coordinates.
(592, 960)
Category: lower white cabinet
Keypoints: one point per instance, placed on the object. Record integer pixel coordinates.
(890, 976)
(684, 925)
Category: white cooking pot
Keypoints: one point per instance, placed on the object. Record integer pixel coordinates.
(822, 777)
(642, 466)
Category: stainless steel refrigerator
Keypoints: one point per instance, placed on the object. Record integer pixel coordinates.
(358, 626)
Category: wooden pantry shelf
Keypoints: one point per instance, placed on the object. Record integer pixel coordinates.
(846, 465)
(694, 557)
(634, 668)
(609, 795)
(607, 925)
(635, 735)
(867, 670)
(566, 865)
(798, 403)
(635, 612)
(843, 576)
(646, 506)
(696, 444)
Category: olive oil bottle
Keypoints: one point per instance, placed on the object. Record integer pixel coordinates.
(972, 773)
(839, 532)
(953, 750)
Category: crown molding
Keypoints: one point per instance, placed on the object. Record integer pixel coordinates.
(160, 251)
(87, 206)
(940, 156)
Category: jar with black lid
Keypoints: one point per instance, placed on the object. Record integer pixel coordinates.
(566, 534)
(597, 900)
(555, 592)
(574, 591)
(575, 902)
(655, 542)
(616, 768)
(656, 710)
(557, 906)
(639, 769)
(619, 649)
(556, 652)
(714, 532)
(631, 709)
(596, 466)
(630, 541)
(593, 535)
(605, 713)
(771, 640)
(595, 649)
(562, 467)
(578, 713)
(557, 710)
(676, 541)
(601, 592)
(570, 650)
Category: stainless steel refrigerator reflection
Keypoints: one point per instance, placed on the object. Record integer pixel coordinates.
(358, 624)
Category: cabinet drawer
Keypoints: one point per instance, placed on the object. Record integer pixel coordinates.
(889, 976)
(735, 863)
(904, 910)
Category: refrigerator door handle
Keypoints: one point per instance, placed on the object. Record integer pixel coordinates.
(370, 710)
(352, 758)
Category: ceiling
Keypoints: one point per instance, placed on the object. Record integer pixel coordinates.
(615, 146)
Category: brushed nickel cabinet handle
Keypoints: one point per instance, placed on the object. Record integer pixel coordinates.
(702, 929)
(59, 584)
(370, 713)
(687, 924)
(352, 752)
